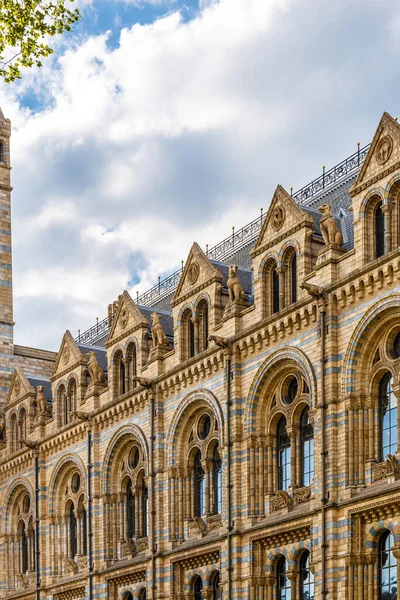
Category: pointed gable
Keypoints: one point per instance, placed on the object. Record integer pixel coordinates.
(128, 317)
(282, 215)
(383, 154)
(68, 355)
(198, 270)
(20, 386)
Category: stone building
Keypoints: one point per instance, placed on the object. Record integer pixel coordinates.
(232, 433)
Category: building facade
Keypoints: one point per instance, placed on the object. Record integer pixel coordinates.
(234, 432)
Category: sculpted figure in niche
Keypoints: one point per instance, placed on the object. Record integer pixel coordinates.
(235, 289)
(329, 228)
(157, 332)
(96, 372)
(44, 406)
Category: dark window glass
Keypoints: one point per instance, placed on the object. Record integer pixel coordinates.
(216, 589)
(306, 578)
(387, 569)
(142, 594)
(275, 292)
(282, 582)
(73, 541)
(293, 278)
(388, 417)
(380, 231)
(191, 338)
(307, 448)
(217, 480)
(197, 588)
(396, 346)
(130, 511)
(199, 487)
(84, 532)
(2, 152)
(283, 452)
(128, 597)
(145, 497)
(24, 549)
(292, 390)
(204, 427)
(122, 377)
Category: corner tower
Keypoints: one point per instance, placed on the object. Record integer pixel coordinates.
(6, 301)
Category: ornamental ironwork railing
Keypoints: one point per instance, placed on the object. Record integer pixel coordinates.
(236, 241)
(328, 178)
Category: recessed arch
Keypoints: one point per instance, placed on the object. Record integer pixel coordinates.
(202, 399)
(290, 355)
(61, 472)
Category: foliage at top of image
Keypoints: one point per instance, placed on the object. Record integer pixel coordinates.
(25, 26)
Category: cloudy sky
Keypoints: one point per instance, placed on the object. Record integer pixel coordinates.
(161, 122)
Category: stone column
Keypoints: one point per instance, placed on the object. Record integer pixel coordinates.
(261, 476)
(293, 576)
(281, 271)
(172, 503)
(294, 474)
(371, 560)
(361, 465)
(396, 391)
(252, 473)
(270, 583)
(371, 431)
(350, 439)
(350, 562)
(387, 211)
(360, 561)
(270, 442)
(207, 468)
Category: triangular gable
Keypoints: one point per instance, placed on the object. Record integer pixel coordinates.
(383, 152)
(128, 315)
(19, 387)
(283, 213)
(198, 269)
(68, 354)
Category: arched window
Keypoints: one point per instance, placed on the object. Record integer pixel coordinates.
(283, 454)
(73, 538)
(275, 291)
(24, 548)
(119, 374)
(199, 487)
(202, 313)
(217, 481)
(188, 346)
(307, 448)
(387, 568)
(142, 594)
(14, 433)
(62, 406)
(306, 578)
(380, 231)
(282, 582)
(130, 511)
(22, 425)
(293, 279)
(131, 360)
(388, 417)
(128, 596)
(215, 588)
(145, 498)
(70, 400)
(198, 589)
(2, 157)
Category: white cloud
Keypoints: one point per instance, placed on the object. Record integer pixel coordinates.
(176, 135)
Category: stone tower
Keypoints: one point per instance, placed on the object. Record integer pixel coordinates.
(6, 301)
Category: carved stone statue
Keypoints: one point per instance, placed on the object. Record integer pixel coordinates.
(44, 406)
(329, 228)
(96, 372)
(157, 332)
(70, 565)
(392, 465)
(235, 289)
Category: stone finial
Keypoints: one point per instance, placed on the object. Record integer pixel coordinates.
(236, 293)
(157, 332)
(329, 228)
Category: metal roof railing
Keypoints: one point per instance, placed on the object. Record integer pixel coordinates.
(237, 240)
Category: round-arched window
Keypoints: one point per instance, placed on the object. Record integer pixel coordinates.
(283, 451)
(388, 417)
(133, 458)
(204, 427)
(387, 568)
(76, 483)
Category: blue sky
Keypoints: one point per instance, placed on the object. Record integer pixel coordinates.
(160, 123)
